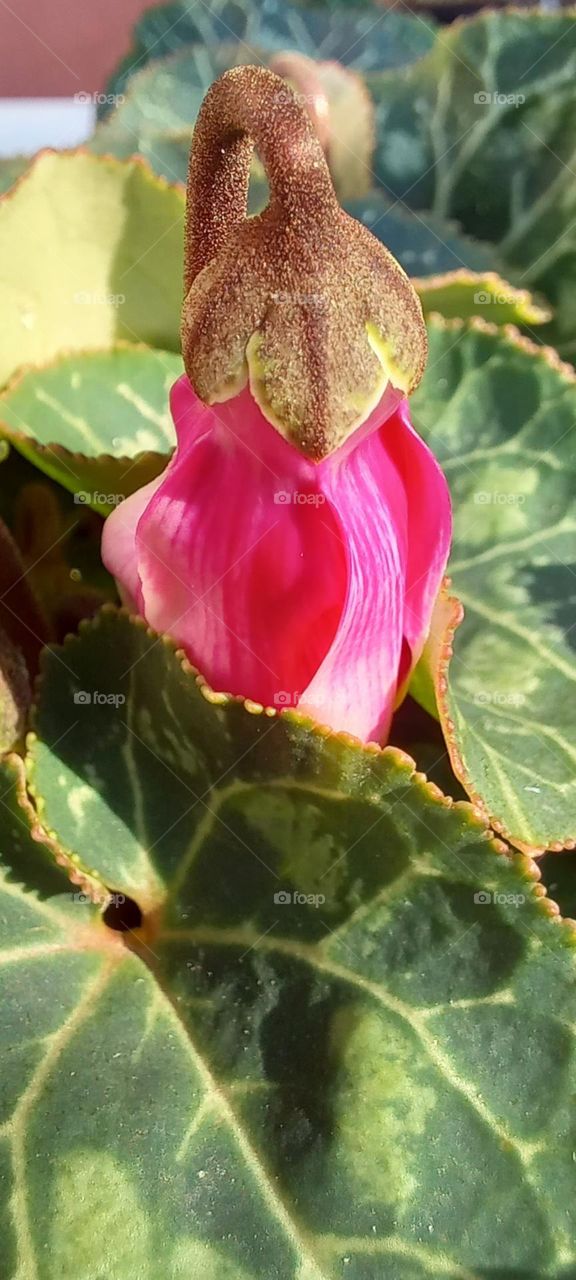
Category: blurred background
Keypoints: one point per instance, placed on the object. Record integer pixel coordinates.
(54, 48)
(57, 56)
(50, 51)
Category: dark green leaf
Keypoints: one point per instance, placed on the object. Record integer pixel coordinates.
(423, 244)
(378, 1085)
(484, 131)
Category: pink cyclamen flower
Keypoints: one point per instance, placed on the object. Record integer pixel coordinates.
(296, 542)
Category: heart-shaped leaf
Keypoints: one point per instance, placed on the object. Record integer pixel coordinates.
(90, 252)
(98, 422)
(343, 1042)
(484, 130)
(179, 52)
(500, 414)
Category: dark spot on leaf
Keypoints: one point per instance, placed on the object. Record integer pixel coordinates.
(122, 915)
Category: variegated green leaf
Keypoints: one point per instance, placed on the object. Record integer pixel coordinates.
(367, 38)
(463, 294)
(423, 244)
(98, 422)
(500, 414)
(156, 114)
(484, 130)
(340, 1043)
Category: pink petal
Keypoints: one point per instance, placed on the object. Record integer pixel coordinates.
(429, 530)
(285, 581)
(119, 543)
(251, 586)
(355, 686)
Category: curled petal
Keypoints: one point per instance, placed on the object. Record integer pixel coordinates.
(119, 543)
(428, 531)
(285, 581)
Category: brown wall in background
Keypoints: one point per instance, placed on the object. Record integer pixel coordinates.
(56, 48)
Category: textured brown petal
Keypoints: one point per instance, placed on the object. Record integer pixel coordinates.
(302, 299)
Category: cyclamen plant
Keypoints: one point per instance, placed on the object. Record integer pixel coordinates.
(274, 1005)
(295, 544)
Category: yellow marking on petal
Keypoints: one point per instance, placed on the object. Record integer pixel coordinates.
(360, 405)
(398, 377)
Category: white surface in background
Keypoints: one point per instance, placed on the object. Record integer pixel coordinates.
(27, 124)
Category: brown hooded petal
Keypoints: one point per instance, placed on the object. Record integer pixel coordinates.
(302, 300)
